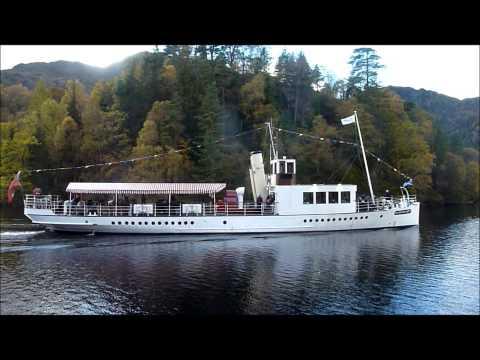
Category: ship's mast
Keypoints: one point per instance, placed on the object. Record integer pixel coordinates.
(364, 158)
(273, 150)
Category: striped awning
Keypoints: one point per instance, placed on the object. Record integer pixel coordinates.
(145, 188)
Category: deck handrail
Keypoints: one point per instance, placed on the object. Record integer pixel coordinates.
(65, 208)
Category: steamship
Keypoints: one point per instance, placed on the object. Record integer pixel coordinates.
(279, 205)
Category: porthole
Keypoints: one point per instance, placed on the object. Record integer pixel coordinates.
(356, 218)
(224, 222)
(185, 222)
(361, 217)
(126, 222)
(191, 222)
(119, 223)
(153, 222)
(166, 222)
(366, 217)
(316, 220)
(173, 222)
(133, 222)
(333, 219)
(328, 219)
(339, 219)
(113, 222)
(146, 223)
(86, 221)
(179, 223)
(351, 218)
(381, 215)
(310, 220)
(305, 220)
(344, 219)
(323, 220)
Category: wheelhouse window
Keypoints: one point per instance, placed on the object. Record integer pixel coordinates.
(321, 197)
(345, 197)
(282, 167)
(308, 197)
(290, 167)
(333, 197)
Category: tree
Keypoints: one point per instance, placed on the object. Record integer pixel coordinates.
(67, 142)
(208, 155)
(161, 135)
(39, 95)
(365, 63)
(295, 79)
(14, 101)
(253, 102)
(74, 100)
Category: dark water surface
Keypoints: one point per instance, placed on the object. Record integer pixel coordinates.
(431, 269)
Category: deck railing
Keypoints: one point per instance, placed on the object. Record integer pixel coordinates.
(385, 203)
(64, 208)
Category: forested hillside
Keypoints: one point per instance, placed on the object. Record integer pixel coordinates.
(57, 73)
(459, 118)
(188, 97)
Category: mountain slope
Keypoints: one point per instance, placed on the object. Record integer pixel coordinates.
(456, 117)
(58, 72)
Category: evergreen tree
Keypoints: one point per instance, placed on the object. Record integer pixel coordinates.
(365, 63)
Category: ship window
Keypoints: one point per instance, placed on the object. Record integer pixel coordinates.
(351, 218)
(321, 197)
(179, 223)
(305, 220)
(126, 222)
(323, 219)
(344, 219)
(289, 167)
(146, 223)
(119, 223)
(166, 222)
(282, 167)
(366, 217)
(310, 220)
(333, 219)
(356, 218)
(185, 222)
(133, 222)
(345, 197)
(381, 215)
(316, 220)
(308, 197)
(224, 221)
(113, 222)
(191, 222)
(328, 219)
(153, 222)
(333, 197)
(173, 222)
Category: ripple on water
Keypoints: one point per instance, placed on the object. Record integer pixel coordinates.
(428, 270)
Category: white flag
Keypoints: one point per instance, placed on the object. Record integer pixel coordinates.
(348, 120)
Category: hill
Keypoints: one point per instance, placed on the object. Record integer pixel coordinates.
(56, 74)
(458, 118)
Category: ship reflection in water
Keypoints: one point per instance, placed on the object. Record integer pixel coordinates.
(427, 270)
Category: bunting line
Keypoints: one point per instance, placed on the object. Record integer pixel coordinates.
(335, 141)
(128, 161)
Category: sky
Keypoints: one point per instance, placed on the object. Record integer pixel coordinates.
(452, 70)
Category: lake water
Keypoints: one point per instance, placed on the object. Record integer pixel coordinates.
(430, 269)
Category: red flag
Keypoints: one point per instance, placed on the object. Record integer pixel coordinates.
(14, 185)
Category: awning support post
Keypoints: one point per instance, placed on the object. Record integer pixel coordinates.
(214, 206)
(169, 201)
(116, 203)
(70, 205)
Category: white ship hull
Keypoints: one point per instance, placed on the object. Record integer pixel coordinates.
(396, 217)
